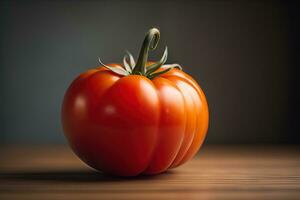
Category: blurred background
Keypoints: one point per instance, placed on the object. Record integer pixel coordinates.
(244, 54)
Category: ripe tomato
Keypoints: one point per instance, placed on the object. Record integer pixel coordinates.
(135, 119)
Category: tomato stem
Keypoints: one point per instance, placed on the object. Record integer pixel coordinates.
(150, 43)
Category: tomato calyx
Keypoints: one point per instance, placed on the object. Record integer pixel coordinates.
(139, 68)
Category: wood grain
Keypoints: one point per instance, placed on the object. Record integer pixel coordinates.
(218, 172)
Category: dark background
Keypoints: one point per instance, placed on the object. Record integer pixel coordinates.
(244, 54)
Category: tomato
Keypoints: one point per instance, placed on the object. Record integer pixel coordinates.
(141, 118)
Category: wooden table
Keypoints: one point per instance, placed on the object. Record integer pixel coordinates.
(218, 172)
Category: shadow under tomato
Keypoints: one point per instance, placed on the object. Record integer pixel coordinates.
(73, 176)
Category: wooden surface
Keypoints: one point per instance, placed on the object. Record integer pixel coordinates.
(218, 172)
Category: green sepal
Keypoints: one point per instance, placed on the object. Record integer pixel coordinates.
(131, 60)
(168, 68)
(126, 65)
(117, 70)
(157, 65)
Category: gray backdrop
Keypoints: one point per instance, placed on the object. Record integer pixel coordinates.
(238, 51)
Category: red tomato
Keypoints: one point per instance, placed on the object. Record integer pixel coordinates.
(128, 122)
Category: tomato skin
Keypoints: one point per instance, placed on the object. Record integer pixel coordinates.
(133, 125)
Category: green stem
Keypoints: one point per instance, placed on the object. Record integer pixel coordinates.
(150, 43)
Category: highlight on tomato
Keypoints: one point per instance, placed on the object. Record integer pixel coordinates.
(137, 117)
